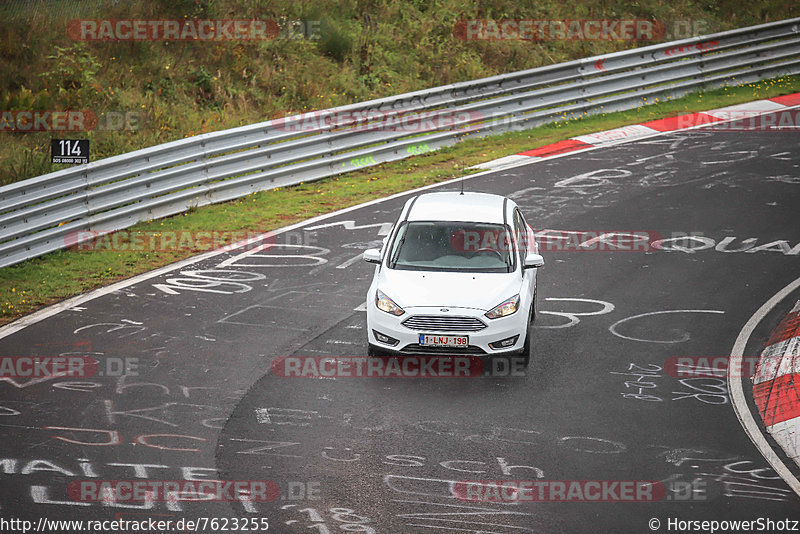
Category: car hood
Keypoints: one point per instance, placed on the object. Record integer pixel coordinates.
(481, 291)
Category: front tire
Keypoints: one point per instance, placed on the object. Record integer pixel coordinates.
(525, 354)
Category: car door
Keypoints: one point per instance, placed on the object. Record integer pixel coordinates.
(525, 244)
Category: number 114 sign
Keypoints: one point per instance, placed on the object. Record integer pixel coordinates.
(72, 151)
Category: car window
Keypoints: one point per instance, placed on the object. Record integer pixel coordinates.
(452, 246)
(521, 231)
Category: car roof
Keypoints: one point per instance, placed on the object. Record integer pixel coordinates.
(454, 206)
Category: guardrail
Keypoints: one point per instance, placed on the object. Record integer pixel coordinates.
(57, 210)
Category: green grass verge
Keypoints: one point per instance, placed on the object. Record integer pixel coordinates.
(36, 283)
(160, 91)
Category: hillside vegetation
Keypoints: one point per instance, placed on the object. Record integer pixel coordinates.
(357, 50)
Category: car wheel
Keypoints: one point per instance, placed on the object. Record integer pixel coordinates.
(525, 355)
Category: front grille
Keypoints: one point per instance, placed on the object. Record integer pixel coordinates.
(443, 323)
(415, 348)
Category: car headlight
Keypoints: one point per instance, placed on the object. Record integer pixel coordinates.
(386, 304)
(504, 308)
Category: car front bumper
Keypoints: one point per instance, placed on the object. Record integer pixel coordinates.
(407, 338)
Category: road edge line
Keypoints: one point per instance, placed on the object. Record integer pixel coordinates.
(736, 388)
(54, 309)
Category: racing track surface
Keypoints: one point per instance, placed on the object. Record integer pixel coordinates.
(595, 404)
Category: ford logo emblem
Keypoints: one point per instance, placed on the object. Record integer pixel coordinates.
(443, 310)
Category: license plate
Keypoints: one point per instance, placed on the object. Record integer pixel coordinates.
(429, 340)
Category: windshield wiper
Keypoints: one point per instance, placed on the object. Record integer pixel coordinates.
(393, 259)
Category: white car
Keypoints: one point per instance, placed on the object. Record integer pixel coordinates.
(456, 275)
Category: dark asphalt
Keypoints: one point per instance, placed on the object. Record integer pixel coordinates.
(380, 455)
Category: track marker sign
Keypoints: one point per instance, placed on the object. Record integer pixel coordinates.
(71, 151)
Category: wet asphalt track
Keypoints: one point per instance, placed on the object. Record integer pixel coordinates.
(595, 403)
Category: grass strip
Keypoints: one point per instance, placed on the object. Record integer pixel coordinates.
(39, 282)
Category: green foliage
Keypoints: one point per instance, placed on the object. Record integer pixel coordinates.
(27, 162)
(164, 88)
(334, 41)
(72, 75)
(25, 99)
(364, 49)
(202, 79)
(62, 274)
(191, 9)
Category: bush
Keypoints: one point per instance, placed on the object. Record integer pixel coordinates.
(334, 42)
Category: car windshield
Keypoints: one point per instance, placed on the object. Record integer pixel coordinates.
(452, 246)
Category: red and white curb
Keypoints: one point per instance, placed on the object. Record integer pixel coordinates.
(635, 131)
(776, 385)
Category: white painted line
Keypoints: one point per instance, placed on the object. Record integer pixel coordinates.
(755, 105)
(778, 359)
(736, 388)
(499, 163)
(532, 160)
(351, 261)
(786, 434)
(632, 131)
(55, 309)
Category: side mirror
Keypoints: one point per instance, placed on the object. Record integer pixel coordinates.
(373, 255)
(533, 261)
